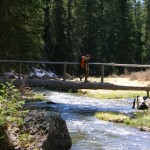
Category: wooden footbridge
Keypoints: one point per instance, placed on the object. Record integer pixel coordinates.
(65, 84)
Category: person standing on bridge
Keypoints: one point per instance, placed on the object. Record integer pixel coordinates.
(84, 67)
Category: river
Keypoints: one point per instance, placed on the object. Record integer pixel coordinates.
(88, 132)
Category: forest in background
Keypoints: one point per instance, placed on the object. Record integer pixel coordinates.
(111, 31)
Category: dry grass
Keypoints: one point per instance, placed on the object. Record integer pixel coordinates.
(141, 78)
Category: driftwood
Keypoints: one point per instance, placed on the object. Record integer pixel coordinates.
(57, 84)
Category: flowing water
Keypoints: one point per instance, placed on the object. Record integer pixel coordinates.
(88, 132)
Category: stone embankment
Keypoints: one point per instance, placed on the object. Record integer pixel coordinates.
(42, 131)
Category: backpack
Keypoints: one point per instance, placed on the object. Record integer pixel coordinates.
(82, 62)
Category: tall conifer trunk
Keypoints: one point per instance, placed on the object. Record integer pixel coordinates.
(47, 33)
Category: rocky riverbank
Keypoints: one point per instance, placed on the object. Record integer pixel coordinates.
(42, 131)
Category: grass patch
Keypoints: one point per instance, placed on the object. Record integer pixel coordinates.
(110, 94)
(39, 97)
(140, 119)
(112, 117)
(33, 97)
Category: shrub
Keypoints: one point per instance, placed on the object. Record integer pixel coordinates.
(10, 105)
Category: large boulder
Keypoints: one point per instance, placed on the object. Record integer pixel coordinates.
(147, 102)
(141, 103)
(58, 137)
(46, 131)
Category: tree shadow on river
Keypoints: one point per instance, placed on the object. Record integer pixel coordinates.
(88, 109)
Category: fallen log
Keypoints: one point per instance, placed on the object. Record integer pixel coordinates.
(59, 84)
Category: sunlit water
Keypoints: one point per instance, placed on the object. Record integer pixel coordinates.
(89, 133)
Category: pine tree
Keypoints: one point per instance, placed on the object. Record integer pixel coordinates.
(48, 45)
(137, 31)
(21, 29)
(59, 31)
(124, 52)
(146, 33)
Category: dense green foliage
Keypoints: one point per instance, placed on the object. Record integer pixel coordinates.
(62, 30)
(10, 105)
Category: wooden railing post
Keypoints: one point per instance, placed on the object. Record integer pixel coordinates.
(102, 73)
(147, 93)
(19, 73)
(64, 72)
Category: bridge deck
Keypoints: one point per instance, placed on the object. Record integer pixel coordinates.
(57, 84)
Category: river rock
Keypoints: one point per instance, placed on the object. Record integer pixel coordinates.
(141, 103)
(58, 137)
(147, 102)
(46, 131)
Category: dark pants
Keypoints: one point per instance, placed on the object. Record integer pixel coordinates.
(84, 73)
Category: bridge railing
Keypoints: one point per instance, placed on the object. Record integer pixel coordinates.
(117, 65)
(102, 66)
